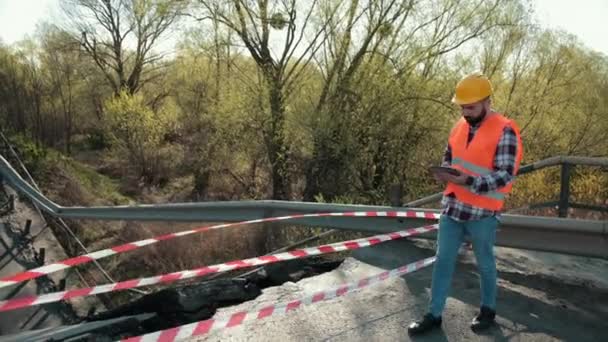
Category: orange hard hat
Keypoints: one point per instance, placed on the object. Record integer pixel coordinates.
(472, 88)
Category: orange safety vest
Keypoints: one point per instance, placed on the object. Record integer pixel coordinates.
(478, 159)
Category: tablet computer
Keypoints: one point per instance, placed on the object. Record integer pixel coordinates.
(444, 169)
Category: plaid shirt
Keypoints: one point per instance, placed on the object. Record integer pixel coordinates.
(504, 165)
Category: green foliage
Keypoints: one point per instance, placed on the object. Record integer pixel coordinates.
(32, 155)
(133, 124)
(536, 187)
(277, 21)
(97, 140)
(370, 110)
(100, 188)
(138, 136)
(589, 187)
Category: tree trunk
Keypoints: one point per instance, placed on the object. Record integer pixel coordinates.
(275, 143)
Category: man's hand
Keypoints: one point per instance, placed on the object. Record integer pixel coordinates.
(446, 177)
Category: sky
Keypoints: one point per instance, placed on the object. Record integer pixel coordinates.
(583, 18)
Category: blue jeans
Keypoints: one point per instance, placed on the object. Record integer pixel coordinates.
(450, 238)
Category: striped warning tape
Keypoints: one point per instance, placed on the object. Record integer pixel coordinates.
(238, 318)
(82, 259)
(28, 301)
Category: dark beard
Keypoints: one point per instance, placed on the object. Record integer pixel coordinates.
(476, 121)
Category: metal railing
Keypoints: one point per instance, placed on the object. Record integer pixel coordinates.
(567, 163)
(562, 235)
(60, 221)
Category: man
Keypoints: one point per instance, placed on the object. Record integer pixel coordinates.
(487, 150)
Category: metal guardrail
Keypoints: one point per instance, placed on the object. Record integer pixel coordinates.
(59, 220)
(78, 332)
(566, 163)
(561, 235)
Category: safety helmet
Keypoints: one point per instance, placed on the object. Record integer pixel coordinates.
(472, 88)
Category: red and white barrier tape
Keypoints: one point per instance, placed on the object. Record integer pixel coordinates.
(82, 259)
(235, 319)
(17, 303)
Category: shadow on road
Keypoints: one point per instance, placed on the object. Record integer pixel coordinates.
(526, 303)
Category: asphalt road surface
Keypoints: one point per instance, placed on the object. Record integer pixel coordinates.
(542, 297)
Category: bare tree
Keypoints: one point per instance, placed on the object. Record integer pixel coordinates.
(352, 41)
(412, 38)
(254, 22)
(119, 36)
(60, 63)
(12, 92)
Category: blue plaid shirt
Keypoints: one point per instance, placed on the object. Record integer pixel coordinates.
(504, 166)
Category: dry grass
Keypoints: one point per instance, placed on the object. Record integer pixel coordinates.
(194, 250)
(207, 248)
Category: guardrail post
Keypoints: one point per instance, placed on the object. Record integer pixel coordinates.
(61, 286)
(28, 227)
(41, 256)
(395, 194)
(564, 191)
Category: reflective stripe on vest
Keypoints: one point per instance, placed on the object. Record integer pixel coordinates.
(475, 169)
(472, 168)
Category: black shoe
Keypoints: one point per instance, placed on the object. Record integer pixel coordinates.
(484, 319)
(428, 322)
